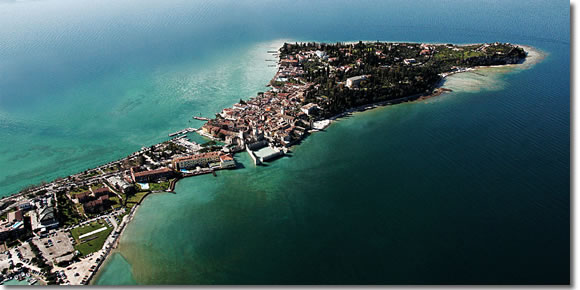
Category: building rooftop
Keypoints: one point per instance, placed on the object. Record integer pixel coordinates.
(357, 78)
(156, 171)
(214, 154)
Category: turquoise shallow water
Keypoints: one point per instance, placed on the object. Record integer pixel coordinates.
(85, 82)
(119, 271)
(15, 283)
(469, 187)
(434, 192)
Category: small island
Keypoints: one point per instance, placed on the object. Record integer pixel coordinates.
(61, 232)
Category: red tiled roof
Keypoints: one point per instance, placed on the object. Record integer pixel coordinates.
(101, 189)
(226, 157)
(156, 171)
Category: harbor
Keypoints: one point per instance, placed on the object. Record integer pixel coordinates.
(266, 126)
(182, 132)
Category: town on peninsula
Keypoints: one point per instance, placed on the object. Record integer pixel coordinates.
(60, 232)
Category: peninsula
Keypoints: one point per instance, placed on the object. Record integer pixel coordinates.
(62, 231)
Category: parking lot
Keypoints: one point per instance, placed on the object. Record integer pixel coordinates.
(55, 245)
(4, 258)
(26, 253)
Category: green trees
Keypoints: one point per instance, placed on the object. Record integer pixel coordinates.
(66, 212)
(389, 77)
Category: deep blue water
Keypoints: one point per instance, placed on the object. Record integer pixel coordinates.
(469, 188)
(82, 82)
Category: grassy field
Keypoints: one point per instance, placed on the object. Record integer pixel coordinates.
(78, 190)
(111, 169)
(129, 205)
(137, 197)
(115, 201)
(159, 186)
(93, 242)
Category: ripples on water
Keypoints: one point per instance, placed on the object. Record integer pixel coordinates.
(464, 188)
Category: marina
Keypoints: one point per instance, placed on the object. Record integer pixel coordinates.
(184, 131)
(96, 145)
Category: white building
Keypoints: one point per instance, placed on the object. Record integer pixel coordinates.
(355, 81)
(196, 160)
(310, 108)
(226, 161)
(119, 182)
(44, 218)
(321, 54)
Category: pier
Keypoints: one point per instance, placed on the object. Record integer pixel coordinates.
(181, 132)
(256, 161)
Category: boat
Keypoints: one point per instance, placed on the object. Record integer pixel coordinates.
(201, 118)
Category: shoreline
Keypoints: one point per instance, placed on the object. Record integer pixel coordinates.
(115, 244)
(439, 88)
(537, 57)
(534, 57)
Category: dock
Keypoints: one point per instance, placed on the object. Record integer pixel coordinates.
(201, 118)
(181, 132)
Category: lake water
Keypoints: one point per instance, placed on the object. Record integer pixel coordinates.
(470, 187)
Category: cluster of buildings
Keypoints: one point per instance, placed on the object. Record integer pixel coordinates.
(13, 227)
(484, 47)
(278, 117)
(29, 216)
(212, 160)
(162, 173)
(95, 201)
(44, 217)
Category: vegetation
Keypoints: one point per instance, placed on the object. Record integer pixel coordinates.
(213, 147)
(80, 189)
(92, 243)
(161, 186)
(68, 212)
(113, 168)
(169, 149)
(137, 197)
(129, 205)
(388, 76)
(209, 143)
(115, 202)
